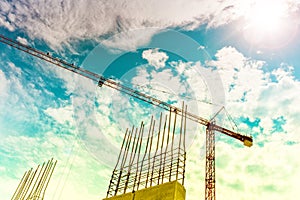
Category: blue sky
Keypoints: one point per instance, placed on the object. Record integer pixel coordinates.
(239, 54)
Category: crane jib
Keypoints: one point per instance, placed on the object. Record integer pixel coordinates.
(122, 88)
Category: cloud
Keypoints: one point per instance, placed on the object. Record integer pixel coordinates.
(22, 40)
(14, 69)
(60, 22)
(234, 69)
(201, 47)
(6, 24)
(241, 175)
(129, 40)
(3, 85)
(174, 81)
(15, 93)
(61, 114)
(155, 58)
(254, 93)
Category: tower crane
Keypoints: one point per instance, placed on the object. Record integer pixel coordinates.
(211, 126)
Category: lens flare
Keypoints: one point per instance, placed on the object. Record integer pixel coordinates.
(267, 23)
(267, 15)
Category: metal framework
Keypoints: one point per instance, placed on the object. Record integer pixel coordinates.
(34, 183)
(247, 140)
(210, 172)
(152, 159)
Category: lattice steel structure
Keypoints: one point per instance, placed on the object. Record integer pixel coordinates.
(34, 183)
(152, 160)
(210, 169)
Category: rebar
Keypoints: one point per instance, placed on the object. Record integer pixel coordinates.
(153, 160)
(33, 184)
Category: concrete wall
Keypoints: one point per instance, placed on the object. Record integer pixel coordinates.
(167, 191)
(127, 196)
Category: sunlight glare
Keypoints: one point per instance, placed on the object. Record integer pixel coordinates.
(267, 23)
(266, 15)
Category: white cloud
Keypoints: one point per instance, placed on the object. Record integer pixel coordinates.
(228, 58)
(201, 47)
(252, 92)
(6, 24)
(129, 40)
(241, 175)
(5, 6)
(59, 22)
(16, 95)
(14, 69)
(155, 58)
(22, 40)
(3, 85)
(62, 114)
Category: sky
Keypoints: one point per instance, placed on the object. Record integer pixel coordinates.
(241, 55)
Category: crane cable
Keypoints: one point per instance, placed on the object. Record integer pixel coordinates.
(231, 120)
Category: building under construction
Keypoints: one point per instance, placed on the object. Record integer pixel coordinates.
(151, 164)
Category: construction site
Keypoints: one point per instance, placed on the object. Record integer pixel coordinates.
(149, 100)
(151, 164)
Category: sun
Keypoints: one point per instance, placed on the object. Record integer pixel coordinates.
(266, 21)
(266, 15)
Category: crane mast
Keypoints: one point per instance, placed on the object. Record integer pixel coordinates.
(101, 80)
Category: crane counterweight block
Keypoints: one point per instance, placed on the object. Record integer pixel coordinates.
(248, 141)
